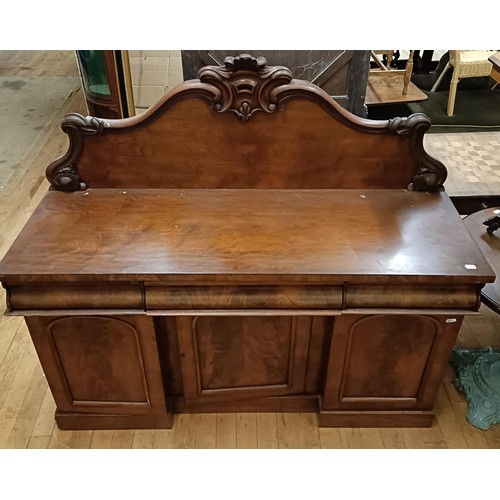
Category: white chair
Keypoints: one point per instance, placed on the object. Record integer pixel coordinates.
(466, 64)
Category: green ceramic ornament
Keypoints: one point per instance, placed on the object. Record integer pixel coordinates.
(478, 378)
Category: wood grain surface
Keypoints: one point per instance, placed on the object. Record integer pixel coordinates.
(230, 358)
(242, 352)
(191, 146)
(243, 297)
(337, 235)
(76, 297)
(100, 365)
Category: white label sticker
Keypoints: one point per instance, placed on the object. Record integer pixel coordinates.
(470, 266)
(451, 320)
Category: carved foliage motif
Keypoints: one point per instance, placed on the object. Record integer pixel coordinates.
(245, 85)
(62, 173)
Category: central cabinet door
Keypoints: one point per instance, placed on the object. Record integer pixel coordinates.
(243, 357)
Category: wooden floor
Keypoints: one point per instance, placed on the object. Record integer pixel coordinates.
(27, 407)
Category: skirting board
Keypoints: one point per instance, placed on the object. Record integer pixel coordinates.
(375, 418)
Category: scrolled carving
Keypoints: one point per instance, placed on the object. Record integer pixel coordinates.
(245, 62)
(245, 85)
(62, 173)
(431, 173)
(89, 125)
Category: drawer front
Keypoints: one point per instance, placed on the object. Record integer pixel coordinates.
(412, 296)
(243, 297)
(64, 297)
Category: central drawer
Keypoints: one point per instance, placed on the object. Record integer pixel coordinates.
(243, 297)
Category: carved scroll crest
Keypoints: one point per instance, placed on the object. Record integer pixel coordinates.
(431, 173)
(245, 85)
(62, 173)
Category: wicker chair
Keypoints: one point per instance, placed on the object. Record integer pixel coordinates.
(466, 64)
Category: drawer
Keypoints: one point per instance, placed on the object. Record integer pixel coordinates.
(243, 297)
(62, 297)
(412, 296)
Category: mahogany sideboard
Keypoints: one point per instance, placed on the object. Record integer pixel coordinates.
(245, 245)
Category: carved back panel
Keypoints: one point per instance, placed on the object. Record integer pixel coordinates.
(246, 125)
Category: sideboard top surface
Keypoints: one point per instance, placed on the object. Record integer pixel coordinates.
(386, 235)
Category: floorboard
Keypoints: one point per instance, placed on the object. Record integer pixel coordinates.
(267, 430)
(226, 431)
(246, 431)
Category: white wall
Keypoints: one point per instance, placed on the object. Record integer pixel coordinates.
(153, 73)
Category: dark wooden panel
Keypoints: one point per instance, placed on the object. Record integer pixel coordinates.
(358, 80)
(319, 347)
(255, 235)
(388, 361)
(101, 359)
(244, 351)
(105, 365)
(168, 350)
(301, 147)
(243, 357)
(387, 357)
(449, 326)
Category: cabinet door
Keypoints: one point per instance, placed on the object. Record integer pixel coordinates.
(100, 364)
(388, 361)
(243, 357)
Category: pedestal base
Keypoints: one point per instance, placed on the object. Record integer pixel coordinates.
(478, 378)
